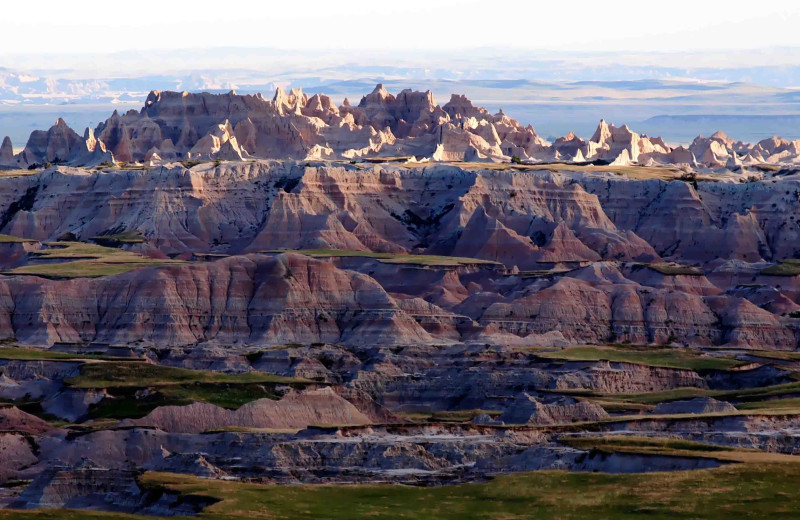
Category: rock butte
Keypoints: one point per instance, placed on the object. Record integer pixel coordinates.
(189, 126)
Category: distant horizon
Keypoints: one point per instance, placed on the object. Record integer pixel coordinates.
(699, 65)
(412, 25)
(271, 59)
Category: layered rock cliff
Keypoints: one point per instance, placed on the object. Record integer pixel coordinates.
(558, 257)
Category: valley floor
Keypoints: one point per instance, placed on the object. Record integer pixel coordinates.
(748, 490)
(327, 432)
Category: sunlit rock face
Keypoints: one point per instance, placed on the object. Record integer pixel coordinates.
(190, 126)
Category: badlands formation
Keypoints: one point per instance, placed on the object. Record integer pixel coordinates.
(287, 291)
(181, 125)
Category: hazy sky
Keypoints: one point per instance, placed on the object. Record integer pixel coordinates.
(58, 26)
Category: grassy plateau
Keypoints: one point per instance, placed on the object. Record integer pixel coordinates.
(10, 239)
(82, 260)
(643, 355)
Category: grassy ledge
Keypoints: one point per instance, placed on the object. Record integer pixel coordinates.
(643, 355)
(39, 354)
(765, 394)
(675, 448)
(390, 258)
(115, 239)
(673, 269)
(10, 239)
(82, 260)
(137, 374)
(788, 267)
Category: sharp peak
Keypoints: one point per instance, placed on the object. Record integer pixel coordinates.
(460, 98)
(380, 91)
(281, 92)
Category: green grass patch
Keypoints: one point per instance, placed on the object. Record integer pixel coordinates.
(82, 260)
(676, 448)
(662, 446)
(435, 260)
(80, 269)
(645, 398)
(673, 269)
(750, 490)
(137, 388)
(9, 239)
(542, 273)
(36, 354)
(643, 355)
(454, 416)
(125, 404)
(788, 267)
(757, 491)
(331, 252)
(390, 258)
(790, 403)
(78, 250)
(18, 173)
(781, 355)
(652, 398)
(132, 403)
(133, 236)
(620, 406)
(231, 396)
(137, 374)
(753, 490)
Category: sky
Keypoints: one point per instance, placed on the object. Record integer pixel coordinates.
(92, 55)
(59, 27)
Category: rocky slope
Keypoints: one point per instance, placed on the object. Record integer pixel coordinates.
(295, 410)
